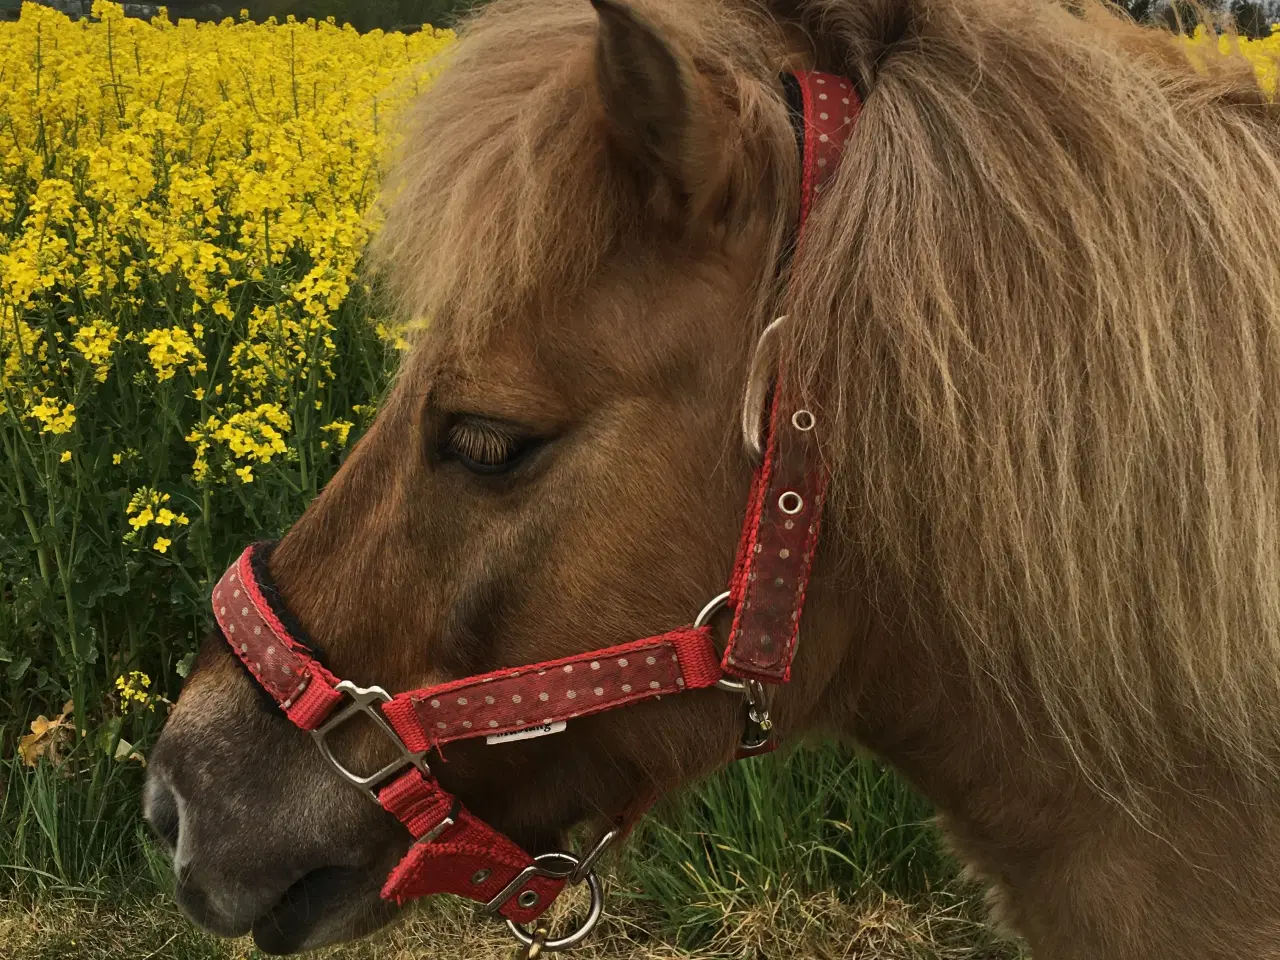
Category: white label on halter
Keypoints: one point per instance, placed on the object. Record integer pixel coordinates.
(528, 733)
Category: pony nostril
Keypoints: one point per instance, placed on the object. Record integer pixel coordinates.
(162, 812)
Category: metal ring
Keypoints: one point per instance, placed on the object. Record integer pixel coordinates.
(790, 503)
(577, 936)
(759, 379)
(714, 606)
(803, 420)
(594, 854)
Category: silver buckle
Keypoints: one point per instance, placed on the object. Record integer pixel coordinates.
(365, 700)
(558, 866)
(445, 823)
(757, 728)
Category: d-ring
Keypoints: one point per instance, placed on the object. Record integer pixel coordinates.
(594, 912)
(759, 379)
(714, 606)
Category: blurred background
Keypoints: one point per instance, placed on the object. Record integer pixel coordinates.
(1253, 17)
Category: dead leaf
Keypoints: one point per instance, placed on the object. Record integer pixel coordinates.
(125, 751)
(47, 737)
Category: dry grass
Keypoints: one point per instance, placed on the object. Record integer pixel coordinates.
(943, 927)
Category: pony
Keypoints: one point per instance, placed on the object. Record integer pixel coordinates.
(1037, 317)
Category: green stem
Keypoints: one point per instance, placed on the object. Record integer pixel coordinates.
(33, 528)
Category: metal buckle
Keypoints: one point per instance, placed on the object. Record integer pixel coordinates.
(364, 700)
(447, 821)
(559, 866)
(757, 728)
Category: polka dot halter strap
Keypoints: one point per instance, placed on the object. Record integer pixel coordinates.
(454, 852)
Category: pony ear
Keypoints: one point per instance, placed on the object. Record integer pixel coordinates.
(647, 92)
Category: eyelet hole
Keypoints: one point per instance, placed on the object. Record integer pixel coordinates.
(791, 503)
(803, 420)
(528, 898)
(480, 876)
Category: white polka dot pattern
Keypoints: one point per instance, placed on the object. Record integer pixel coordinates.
(259, 638)
(831, 106)
(595, 681)
(772, 573)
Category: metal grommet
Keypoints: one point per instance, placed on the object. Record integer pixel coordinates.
(527, 899)
(480, 876)
(803, 420)
(588, 924)
(791, 503)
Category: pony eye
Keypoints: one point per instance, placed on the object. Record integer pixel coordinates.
(483, 446)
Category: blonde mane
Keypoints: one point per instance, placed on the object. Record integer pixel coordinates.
(1045, 317)
(1049, 326)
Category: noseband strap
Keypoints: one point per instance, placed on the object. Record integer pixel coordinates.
(456, 852)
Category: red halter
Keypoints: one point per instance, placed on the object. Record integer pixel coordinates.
(456, 853)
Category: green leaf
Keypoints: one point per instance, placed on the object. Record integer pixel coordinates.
(18, 668)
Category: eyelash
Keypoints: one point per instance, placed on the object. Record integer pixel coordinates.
(484, 448)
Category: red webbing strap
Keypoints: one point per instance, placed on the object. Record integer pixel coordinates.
(456, 853)
(282, 666)
(516, 698)
(467, 858)
(784, 514)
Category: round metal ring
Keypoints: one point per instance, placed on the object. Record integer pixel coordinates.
(567, 864)
(803, 420)
(714, 606)
(577, 936)
(791, 503)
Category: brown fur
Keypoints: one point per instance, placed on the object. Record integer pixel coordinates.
(1039, 309)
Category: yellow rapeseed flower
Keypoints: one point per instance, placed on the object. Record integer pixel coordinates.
(199, 212)
(340, 429)
(172, 347)
(134, 687)
(53, 418)
(95, 341)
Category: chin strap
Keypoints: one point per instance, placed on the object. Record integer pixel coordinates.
(454, 851)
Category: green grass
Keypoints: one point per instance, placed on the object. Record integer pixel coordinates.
(808, 821)
(71, 830)
(815, 847)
